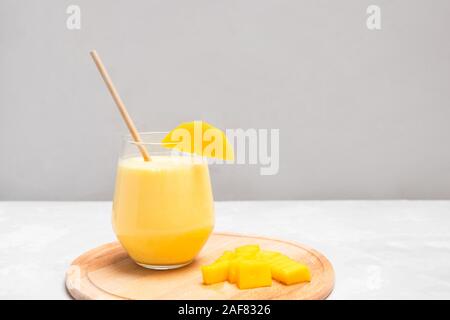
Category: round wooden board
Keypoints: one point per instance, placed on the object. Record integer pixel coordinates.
(107, 272)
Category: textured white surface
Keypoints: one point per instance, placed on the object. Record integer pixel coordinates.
(379, 249)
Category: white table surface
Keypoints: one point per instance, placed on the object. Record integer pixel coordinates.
(379, 249)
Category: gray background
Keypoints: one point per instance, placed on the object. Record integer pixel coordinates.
(362, 114)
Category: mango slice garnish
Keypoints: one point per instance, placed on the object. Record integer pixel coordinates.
(201, 138)
(250, 267)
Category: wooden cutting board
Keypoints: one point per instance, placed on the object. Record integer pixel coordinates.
(107, 272)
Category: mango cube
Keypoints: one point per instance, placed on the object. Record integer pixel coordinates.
(267, 255)
(249, 248)
(250, 267)
(233, 272)
(291, 273)
(226, 256)
(216, 272)
(253, 274)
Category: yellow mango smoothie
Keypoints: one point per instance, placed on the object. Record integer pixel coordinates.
(163, 209)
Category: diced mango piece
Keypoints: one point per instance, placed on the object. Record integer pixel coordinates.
(226, 256)
(280, 257)
(253, 274)
(253, 248)
(267, 255)
(216, 272)
(250, 267)
(248, 251)
(291, 273)
(277, 269)
(246, 255)
(233, 272)
(279, 261)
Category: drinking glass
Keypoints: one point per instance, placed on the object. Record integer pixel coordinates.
(163, 209)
